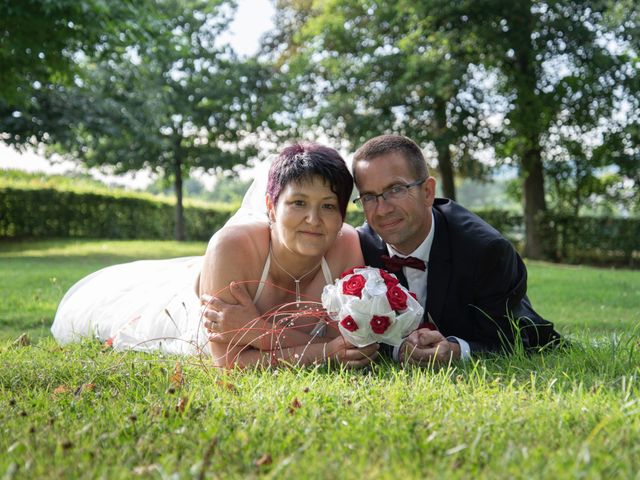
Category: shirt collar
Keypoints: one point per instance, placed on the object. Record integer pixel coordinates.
(424, 249)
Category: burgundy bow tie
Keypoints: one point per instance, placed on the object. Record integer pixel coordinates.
(395, 263)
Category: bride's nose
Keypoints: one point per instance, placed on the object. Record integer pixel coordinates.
(313, 216)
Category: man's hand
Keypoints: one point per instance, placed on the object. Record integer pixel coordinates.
(428, 347)
(349, 355)
(225, 321)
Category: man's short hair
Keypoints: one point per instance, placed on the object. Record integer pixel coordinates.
(386, 144)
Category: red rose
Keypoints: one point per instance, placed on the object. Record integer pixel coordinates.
(413, 295)
(389, 279)
(349, 323)
(379, 324)
(354, 286)
(349, 272)
(397, 298)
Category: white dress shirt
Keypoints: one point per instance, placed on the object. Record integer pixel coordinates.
(417, 281)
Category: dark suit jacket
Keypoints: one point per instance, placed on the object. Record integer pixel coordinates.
(477, 282)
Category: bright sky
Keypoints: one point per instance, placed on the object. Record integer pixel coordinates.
(253, 18)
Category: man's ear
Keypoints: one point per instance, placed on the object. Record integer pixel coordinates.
(429, 189)
(271, 209)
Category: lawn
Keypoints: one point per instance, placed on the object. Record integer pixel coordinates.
(84, 411)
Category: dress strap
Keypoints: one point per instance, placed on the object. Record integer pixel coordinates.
(263, 278)
(326, 271)
(321, 327)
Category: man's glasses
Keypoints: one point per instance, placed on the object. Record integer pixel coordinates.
(397, 192)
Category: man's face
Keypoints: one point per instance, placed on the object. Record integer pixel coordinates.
(403, 223)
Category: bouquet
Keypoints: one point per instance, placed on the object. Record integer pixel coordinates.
(370, 306)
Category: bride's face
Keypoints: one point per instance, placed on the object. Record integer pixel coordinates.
(306, 219)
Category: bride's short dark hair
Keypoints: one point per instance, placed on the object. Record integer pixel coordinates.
(302, 161)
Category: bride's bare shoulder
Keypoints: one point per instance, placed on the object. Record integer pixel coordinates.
(240, 239)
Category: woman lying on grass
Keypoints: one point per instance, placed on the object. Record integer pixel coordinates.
(278, 260)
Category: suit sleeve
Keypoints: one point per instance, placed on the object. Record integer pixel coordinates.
(500, 284)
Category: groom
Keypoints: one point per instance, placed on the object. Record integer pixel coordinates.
(469, 278)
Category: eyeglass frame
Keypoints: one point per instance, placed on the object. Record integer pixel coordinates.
(407, 186)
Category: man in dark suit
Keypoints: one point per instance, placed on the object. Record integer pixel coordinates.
(470, 279)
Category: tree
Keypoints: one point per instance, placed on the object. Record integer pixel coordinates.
(517, 77)
(365, 67)
(229, 189)
(562, 66)
(176, 102)
(40, 40)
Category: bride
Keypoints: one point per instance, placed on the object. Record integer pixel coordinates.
(281, 258)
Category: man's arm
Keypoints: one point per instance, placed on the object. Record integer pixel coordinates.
(499, 284)
(499, 314)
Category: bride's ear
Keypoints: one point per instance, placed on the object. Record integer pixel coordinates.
(271, 213)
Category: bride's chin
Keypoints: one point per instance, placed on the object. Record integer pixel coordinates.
(309, 250)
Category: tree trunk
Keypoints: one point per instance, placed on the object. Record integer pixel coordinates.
(528, 123)
(180, 234)
(444, 152)
(446, 170)
(534, 201)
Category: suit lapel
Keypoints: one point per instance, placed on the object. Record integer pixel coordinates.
(439, 268)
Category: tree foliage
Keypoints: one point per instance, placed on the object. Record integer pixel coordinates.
(360, 71)
(41, 39)
(174, 101)
(528, 81)
(566, 71)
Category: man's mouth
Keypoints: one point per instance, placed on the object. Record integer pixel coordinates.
(388, 224)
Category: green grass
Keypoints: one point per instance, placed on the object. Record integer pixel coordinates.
(85, 412)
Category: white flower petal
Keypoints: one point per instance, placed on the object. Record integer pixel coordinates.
(373, 302)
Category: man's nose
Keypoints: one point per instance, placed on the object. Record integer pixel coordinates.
(382, 206)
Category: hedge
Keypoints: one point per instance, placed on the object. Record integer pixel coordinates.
(50, 213)
(592, 239)
(569, 239)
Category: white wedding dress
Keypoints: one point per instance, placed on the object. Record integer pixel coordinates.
(149, 305)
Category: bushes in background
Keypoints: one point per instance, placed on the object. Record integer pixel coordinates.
(50, 213)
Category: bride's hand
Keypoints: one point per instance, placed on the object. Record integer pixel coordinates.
(349, 355)
(226, 320)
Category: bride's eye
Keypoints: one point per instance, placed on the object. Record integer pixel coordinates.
(330, 206)
(298, 203)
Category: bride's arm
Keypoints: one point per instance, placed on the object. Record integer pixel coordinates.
(241, 324)
(338, 350)
(238, 322)
(231, 262)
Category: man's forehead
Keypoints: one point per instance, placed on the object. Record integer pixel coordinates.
(385, 169)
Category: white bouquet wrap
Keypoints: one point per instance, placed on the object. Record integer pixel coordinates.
(371, 306)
